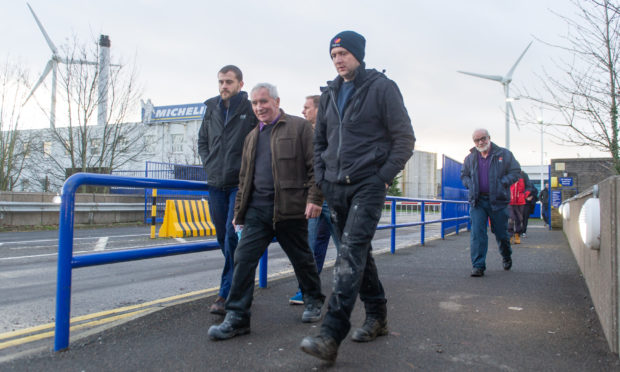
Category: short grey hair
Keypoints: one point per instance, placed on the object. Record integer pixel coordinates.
(273, 91)
(481, 129)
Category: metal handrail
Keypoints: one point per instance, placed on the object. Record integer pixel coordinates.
(422, 223)
(67, 261)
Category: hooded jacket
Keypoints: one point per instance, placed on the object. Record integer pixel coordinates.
(374, 136)
(220, 139)
(291, 163)
(503, 172)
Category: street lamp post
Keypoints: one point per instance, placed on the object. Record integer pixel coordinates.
(542, 153)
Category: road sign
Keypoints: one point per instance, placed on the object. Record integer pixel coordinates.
(566, 181)
(556, 198)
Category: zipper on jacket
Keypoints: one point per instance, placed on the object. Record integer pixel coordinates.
(331, 94)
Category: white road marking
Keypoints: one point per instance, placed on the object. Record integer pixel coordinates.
(101, 243)
(180, 240)
(113, 249)
(82, 238)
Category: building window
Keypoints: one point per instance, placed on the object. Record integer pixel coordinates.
(95, 146)
(149, 144)
(177, 143)
(47, 149)
(122, 144)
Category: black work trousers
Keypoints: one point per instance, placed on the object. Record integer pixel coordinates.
(355, 211)
(257, 233)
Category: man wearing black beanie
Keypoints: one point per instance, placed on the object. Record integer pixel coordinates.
(363, 138)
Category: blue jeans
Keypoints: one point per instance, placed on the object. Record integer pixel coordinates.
(479, 241)
(319, 231)
(222, 209)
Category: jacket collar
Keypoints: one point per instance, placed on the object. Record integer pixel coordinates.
(361, 75)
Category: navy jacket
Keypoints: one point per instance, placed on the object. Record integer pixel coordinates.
(374, 137)
(220, 140)
(503, 172)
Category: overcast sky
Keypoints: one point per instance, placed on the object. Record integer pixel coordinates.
(179, 47)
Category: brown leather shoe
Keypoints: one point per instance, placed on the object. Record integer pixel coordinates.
(218, 306)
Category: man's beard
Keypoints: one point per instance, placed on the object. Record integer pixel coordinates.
(484, 149)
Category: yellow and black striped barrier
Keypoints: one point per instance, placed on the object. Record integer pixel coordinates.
(185, 218)
(154, 214)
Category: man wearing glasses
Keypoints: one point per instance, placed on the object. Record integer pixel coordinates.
(488, 171)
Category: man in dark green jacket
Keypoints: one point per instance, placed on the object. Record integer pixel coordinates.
(277, 194)
(228, 119)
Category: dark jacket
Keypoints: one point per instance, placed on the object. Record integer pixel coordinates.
(374, 137)
(503, 172)
(220, 143)
(293, 173)
(544, 197)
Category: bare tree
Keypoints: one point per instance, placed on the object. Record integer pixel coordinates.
(81, 144)
(15, 145)
(586, 91)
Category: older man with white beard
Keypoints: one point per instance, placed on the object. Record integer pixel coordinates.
(488, 171)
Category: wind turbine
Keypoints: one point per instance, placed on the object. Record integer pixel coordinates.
(505, 80)
(52, 65)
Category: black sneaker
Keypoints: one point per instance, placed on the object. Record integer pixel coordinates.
(312, 313)
(507, 263)
(371, 329)
(232, 326)
(477, 272)
(322, 347)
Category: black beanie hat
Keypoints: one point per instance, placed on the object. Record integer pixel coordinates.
(351, 41)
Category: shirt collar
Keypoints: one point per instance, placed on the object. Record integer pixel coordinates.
(263, 125)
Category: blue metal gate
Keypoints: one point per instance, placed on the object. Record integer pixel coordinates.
(452, 189)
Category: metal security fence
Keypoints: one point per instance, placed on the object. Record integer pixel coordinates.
(163, 171)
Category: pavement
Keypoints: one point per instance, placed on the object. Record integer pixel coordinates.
(536, 317)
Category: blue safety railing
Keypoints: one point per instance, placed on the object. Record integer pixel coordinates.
(67, 261)
(423, 222)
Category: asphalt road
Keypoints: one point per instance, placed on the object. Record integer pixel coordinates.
(28, 273)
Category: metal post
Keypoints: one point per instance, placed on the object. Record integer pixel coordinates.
(393, 229)
(154, 214)
(422, 218)
(63, 283)
(262, 270)
(443, 215)
(507, 117)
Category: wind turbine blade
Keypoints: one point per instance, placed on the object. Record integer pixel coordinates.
(47, 38)
(47, 70)
(509, 74)
(513, 114)
(490, 77)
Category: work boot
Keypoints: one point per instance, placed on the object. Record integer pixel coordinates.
(322, 347)
(517, 239)
(512, 239)
(233, 325)
(312, 312)
(371, 329)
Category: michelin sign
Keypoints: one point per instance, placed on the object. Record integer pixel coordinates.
(160, 114)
